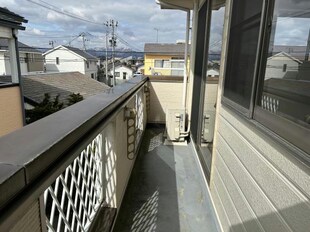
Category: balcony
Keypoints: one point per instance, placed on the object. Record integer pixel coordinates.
(99, 166)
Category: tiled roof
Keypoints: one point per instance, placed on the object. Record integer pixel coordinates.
(21, 47)
(82, 53)
(165, 49)
(62, 84)
(10, 19)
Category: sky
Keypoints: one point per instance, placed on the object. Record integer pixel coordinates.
(136, 22)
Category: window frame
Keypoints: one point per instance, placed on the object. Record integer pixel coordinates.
(294, 134)
(291, 135)
(247, 112)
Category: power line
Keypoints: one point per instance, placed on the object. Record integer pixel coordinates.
(58, 10)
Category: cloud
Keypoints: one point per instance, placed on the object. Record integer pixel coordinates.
(137, 20)
(37, 32)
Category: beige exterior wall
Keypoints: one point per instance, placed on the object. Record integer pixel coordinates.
(30, 221)
(257, 184)
(11, 115)
(163, 96)
(117, 165)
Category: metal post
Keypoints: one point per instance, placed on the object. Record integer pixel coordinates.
(106, 57)
(308, 48)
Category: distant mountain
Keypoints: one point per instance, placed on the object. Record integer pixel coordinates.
(120, 52)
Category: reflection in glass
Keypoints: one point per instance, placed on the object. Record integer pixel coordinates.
(210, 82)
(286, 90)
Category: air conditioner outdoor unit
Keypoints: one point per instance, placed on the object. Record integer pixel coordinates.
(174, 124)
(208, 126)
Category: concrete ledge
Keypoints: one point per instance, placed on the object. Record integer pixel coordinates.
(12, 180)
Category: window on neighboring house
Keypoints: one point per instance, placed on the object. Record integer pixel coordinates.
(92, 76)
(284, 67)
(124, 75)
(117, 74)
(162, 64)
(242, 50)
(177, 64)
(57, 60)
(87, 64)
(177, 72)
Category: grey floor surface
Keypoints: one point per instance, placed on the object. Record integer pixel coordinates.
(166, 191)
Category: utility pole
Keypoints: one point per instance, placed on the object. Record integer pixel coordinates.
(156, 29)
(106, 53)
(84, 40)
(113, 24)
(51, 42)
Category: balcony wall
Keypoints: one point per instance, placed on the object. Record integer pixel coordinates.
(66, 169)
(11, 115)
(166, 92)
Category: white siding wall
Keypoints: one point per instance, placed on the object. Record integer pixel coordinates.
(92, 69)
(121, 70)
(275, 67)
(5, 66)
(256, 183)
(68, 62)
(2, 64)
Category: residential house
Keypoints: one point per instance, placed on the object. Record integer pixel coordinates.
(282, 65)
(299, 52)
(164, 59)
(251, 174)
(69, 59)
(59, 84)
(11, 100)
(122, 72)
(30, 59)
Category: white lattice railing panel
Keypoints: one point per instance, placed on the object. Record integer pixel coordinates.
(270, 103)
(72, 201)
(140, 115)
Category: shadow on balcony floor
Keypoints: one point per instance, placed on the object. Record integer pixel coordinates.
(166, 191)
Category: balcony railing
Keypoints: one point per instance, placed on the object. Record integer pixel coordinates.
(61, 172)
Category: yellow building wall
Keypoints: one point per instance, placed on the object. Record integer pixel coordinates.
(149, 64)
(11, 115)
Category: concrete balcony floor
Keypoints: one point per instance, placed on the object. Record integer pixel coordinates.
(166, 191)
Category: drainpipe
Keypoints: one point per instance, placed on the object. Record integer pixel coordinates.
(14, 35)
(185, 74)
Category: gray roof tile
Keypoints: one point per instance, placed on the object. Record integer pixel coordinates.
(62, 84)
(165, 49)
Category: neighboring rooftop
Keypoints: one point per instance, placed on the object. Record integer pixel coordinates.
(298, 52)
(10, 19)
(62, 84)
(21, 47)
(165, 49)
(83, 54)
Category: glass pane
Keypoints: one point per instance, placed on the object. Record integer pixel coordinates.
(177, 72)
(158, 63)
(286, 89)
(242, 50)
(166, 64)
(211, 85)
(177, 64)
